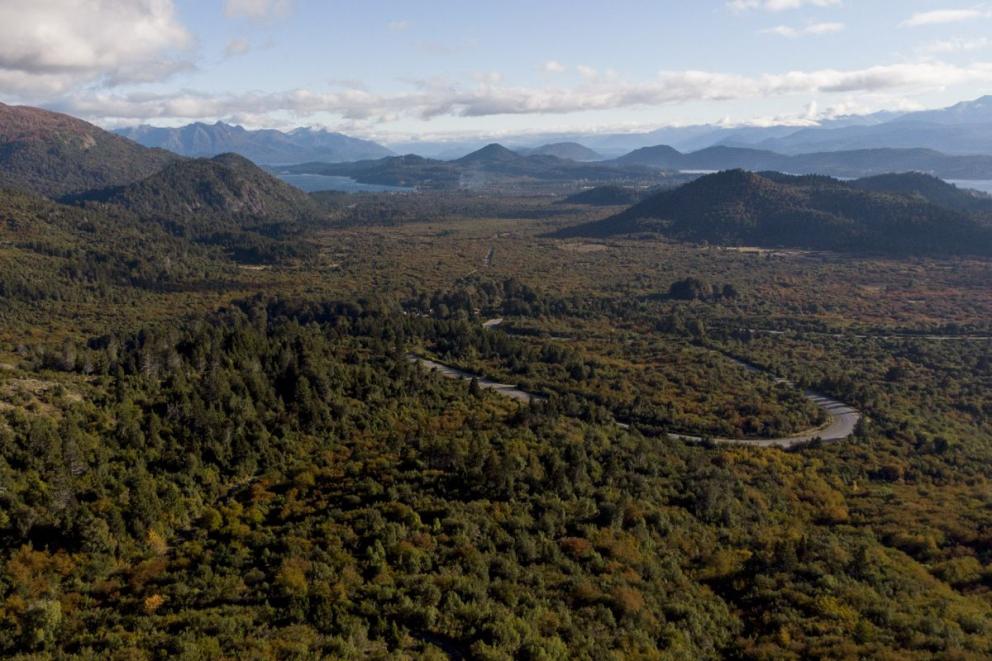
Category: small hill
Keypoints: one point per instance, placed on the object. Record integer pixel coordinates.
(929, 188)
(266, 146)
(660, 156)
(571, 151)
(199, 196)
(489, 154)
(605, 196)
(741, 208)
(54, 154)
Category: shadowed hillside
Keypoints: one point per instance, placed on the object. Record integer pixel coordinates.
(742, 208)
(568, 150)
(931, 189)
(203, 195)
(54, 154)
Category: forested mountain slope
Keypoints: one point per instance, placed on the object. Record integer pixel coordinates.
(743, 208)
(204, 195)
(54, 154)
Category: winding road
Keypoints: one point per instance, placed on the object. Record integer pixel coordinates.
(842, 419)
(861, 336)
(450, 372)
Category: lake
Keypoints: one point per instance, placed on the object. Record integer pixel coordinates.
(318, 182)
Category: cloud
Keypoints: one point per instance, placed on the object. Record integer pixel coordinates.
(943, 16)
(257, 8)
(814, 115)
(398, 26)
(587, 72)
(489, 77)
(957, 45)
(780, 5)
(237, 46)
(553, 66)
(51, 46)
(490, 96)
(812, 29)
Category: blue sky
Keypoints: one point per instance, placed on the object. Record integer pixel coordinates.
(393, 70)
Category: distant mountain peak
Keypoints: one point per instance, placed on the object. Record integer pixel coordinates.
(573, 151)
(491, 153)
(268, 146)
(656, 156)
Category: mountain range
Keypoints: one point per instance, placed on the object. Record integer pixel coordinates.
(73, 175)
(896, 215)
(964, 128)
(266, 146)
(496, 165)
(229, 201)
(854, 163)
(492, 165)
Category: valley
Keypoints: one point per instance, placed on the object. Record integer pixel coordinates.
(485, 331)
(547, 420)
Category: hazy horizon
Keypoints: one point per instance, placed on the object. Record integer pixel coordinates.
(394, 72)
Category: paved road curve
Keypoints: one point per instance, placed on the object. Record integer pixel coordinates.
(488, 384)
(842, 419)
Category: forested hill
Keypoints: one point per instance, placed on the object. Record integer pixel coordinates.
(742, 208)
(201, 195)
(929, 188)
(55, 252)
(568, 150)
(133, 190)
(54, 154)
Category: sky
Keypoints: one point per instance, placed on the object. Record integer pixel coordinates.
(417, 69)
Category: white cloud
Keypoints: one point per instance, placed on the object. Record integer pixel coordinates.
(780, 5)
(812, 29)
(957, 45)
(490, 96)
(587, 72)
(237, 46)
(57, 45)
(814, 115)
(943, 16)
(554, 66)
(257, 8)
(398, 26)
(489, 77)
